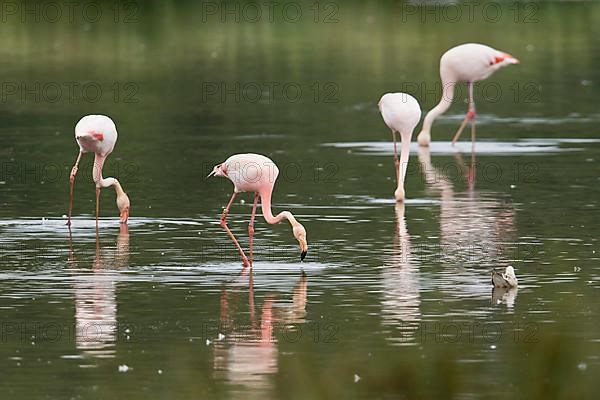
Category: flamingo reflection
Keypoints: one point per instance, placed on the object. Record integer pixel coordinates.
(401, 297)
(476, 227)
(248, 355)
(95, 299)
(504, 296)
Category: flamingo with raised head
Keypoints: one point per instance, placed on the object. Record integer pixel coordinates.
(401, 113)
(256, 173)
(98, 134)
(469, 62)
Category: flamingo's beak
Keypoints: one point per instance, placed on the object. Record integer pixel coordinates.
(211, 174)
(124, 215)
(510, 59)
(300, 235)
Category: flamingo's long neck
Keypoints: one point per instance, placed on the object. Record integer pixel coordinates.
(104, 182)
(442, 106)
(97, 171)
(265, 202)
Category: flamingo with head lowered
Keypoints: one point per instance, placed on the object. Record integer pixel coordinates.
(256, 173)
(470, 62)
(401, 113)
(98, 134)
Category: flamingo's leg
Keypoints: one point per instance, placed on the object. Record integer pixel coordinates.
(472, 112)
(473, 134)
(97, 205)
(72, 183)
(224, 225)
(396, 160)
(460, 129)
(469, 117)
(251, 225)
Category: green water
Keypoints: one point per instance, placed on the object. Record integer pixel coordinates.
(392, 301)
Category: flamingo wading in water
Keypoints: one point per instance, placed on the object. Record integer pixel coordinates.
(470, 62)
(98, 134)
(401, 113)
(256, 173)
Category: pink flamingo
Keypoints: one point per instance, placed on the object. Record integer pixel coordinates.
(470, 62)
(98, 134)
(401, 113)
(256, 173)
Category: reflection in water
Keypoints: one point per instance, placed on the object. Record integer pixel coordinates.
(401, 298)
(95, 300)
(248, 353)
(505, 296)
(475, 227)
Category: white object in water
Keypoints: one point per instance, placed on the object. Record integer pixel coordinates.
(506, 279)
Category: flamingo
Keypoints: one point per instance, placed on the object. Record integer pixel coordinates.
(401, 113)
(256, 173)
(469, 62)
(98, 134)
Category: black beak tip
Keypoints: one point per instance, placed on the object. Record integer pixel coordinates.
(302, 255)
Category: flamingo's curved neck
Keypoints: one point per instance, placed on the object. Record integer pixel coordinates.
(265, 202)
(97, 171)
(104, 182)
(445, 102)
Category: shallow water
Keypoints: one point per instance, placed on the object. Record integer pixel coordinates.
(392, 300)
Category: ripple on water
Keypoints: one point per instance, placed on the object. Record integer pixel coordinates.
(369, 201)
(483, 147)
(53, 229)
(483, 119)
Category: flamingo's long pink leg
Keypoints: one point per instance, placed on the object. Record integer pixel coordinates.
(472, 112)
(97, 205)
(72, 183)
(469, 117)
(251, 225)
(460, 129)
(473, 135)
(224, 225)
(396, 160)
